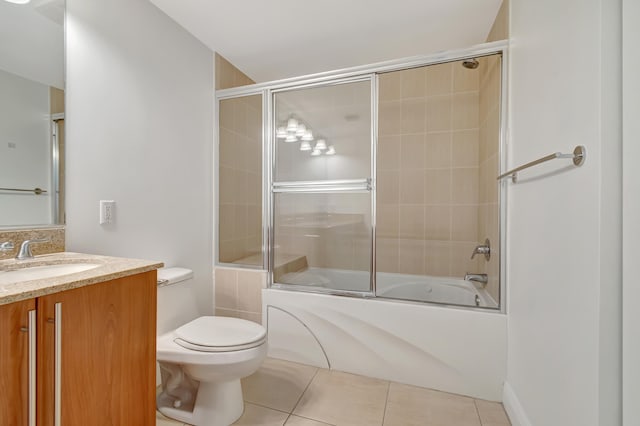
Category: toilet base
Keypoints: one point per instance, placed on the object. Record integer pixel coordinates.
(217, 404)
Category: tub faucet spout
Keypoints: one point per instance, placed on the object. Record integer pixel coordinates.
(479, 278)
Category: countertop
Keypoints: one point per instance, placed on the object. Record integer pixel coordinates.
(110, 268)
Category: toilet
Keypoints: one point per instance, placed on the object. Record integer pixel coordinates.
(202, 362)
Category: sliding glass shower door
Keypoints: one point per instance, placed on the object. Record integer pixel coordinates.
(321, 191)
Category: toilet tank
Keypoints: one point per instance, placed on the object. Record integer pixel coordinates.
(176, 298)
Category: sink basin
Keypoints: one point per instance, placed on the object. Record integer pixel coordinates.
(43, 271)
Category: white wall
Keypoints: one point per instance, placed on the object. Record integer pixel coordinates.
(25, 151)
(139, 131)
(563, 236)
(631, 211)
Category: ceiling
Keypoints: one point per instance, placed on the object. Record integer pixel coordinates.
(270, 40)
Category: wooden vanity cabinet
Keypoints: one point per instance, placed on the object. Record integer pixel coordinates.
(14, 362)
(105, 374)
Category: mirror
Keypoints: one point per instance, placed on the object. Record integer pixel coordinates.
(31, 113)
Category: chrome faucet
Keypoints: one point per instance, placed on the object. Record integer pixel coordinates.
(25, 248)
(479, 278)
(6, 246)
(483, 249)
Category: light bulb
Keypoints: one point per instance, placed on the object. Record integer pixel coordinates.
(292, 125)
(330, 151)
(308, 136)
(305, 146)
(291, 138)
(301, 130)
(316, 152)
(281, 133)
(321, 144)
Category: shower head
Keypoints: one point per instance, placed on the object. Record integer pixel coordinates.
(471, 64)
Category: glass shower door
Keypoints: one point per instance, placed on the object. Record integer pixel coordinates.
(321, 192)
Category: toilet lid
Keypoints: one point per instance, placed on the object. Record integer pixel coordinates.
(220, 334)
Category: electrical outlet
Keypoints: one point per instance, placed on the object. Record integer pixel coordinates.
(107, 211)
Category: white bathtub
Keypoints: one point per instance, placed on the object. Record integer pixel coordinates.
(453, 349)
(419, 288)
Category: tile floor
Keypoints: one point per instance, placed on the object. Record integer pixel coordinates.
(286, 393)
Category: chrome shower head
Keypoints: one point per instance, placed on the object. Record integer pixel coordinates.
(471, 64)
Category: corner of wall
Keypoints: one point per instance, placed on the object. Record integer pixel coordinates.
(512, 406)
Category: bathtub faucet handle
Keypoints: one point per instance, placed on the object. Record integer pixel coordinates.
(483, 249)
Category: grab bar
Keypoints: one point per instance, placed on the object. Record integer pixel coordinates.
(36, 191)
(579, 155)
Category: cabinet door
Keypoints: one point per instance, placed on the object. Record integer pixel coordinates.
(14, 362)
(106, 337)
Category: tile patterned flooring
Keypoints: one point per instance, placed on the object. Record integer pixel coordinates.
(286, 393)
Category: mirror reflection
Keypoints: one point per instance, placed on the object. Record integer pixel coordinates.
(31, 113)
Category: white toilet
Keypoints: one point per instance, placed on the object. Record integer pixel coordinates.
(202, 363)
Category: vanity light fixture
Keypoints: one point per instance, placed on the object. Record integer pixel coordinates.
(18, 1)
(292, 125)
(321, 145)
(305, 146)
(281, 133)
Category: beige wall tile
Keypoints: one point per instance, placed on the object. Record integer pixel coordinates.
(466, 148)
(437, 257)
(387, 220)
(465, 186)
(413, 116)
(387, 254)
(340, 398)
(465, 79)
(439, 79)
(438, 150)
(388, 184)
(411, 222)
(389, 118)
(232, 313)
(437, 186)
(437, 222)
(250, 284)
(390, 86)
(226, 218)
(464, 223)
(413, 83)
(250, 316)
(439, 110)
(461, 262)
(226, 288)
(465, 111)
(389, 152)
(412, 186)
(412, 151)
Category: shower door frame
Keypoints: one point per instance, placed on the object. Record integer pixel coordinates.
(266, 90)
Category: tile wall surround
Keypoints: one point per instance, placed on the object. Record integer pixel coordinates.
(428, 167)
(17, 236)
(238, 293)
(240, 170)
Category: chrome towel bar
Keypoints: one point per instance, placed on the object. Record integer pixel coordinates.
(579, 155)
(36, 191)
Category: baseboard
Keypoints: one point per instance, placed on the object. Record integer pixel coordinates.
(513, 407)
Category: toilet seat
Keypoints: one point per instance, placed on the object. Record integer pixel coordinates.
(219, 334)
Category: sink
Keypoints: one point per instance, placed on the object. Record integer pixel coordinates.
(43, 271)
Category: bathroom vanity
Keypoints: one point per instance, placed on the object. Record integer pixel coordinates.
(77, 342)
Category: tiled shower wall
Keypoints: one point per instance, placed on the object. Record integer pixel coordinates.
(238, 291)
(428, 166)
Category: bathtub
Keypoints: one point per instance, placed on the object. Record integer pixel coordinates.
(453, 349)
(417, 288)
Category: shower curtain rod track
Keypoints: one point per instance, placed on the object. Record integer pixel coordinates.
(579, 156)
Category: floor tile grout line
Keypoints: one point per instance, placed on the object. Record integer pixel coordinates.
(386, 402)
(305, 389)
(265, 406)
(475, 404)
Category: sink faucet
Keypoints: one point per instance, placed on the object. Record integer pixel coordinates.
(479, 278)
(25, 248)
(6, 246)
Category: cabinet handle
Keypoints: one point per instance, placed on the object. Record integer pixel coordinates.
(58, 364)
(32, 368)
